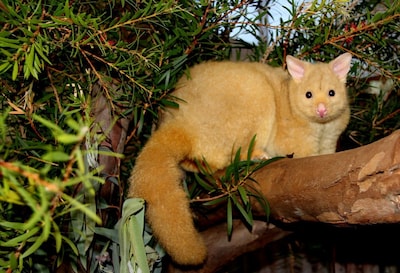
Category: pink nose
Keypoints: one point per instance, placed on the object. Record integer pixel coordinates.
(321, 110)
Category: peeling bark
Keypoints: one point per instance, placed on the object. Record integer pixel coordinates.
(359, 186)
(115, 131)
(354, 187)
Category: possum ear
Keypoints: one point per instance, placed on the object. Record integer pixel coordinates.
(296, 68)
(341, 66)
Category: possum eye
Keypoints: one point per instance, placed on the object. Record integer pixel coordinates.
(308, 95)
(331, 93)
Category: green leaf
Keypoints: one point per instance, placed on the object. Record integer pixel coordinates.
(4, 67)
(35, 246)
(21, 238)
(56, 156)
(247, 215)
(229, 217)
(37, 209)
(264, 163)
(57, 236)
(13, 260)
(377, 17)
(109, 233)
(12, 225)
(46, 224)
(203, 183)
(251, 148)
(66, 9)
(68, 138)
(39, 50)
(169, 103)
(73, 124)
(10, 43)
(15, 71)
(29, 58)
(60, 21)
(243, 194)
(55, 128)
(82, 207)
(131, 227)
(71, 245)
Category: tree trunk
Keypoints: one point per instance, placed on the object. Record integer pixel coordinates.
(359, 186)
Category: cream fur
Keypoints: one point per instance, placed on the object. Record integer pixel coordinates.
(224, 104)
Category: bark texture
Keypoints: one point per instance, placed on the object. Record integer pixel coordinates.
(115, 130)
(354, 187)
(359, 186)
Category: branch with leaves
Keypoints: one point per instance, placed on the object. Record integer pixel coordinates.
(354, 187)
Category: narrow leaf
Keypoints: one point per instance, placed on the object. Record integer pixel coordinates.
(246, 215)
(229, 217)
(56, 156)
(203, 183)
(15, 71)
(251, 148)
(243, 194)
(21, 238)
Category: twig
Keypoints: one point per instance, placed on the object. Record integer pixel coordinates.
(30, 175)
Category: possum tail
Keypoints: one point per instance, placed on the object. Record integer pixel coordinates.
(156, 178)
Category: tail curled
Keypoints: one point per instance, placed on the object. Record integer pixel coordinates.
(156, 178)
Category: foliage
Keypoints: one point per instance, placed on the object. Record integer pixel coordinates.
(53, 53)
(235, 187)
(320, 31)
(36, 193)
(130, 228)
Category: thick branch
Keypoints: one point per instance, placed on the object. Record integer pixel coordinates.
(359, 186)
(222, 250)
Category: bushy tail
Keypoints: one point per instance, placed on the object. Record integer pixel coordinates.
(156, 178)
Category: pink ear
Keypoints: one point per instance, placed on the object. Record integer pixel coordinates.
(295, 67)
(341, 66)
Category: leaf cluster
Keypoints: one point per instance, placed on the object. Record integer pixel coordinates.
(235, 187)
(52, 54)
(37, 198)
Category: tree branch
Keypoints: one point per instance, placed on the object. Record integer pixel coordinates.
(359, 186)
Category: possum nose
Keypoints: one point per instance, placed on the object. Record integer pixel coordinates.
(321, 110)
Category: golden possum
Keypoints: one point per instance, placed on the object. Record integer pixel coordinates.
(224, 104)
